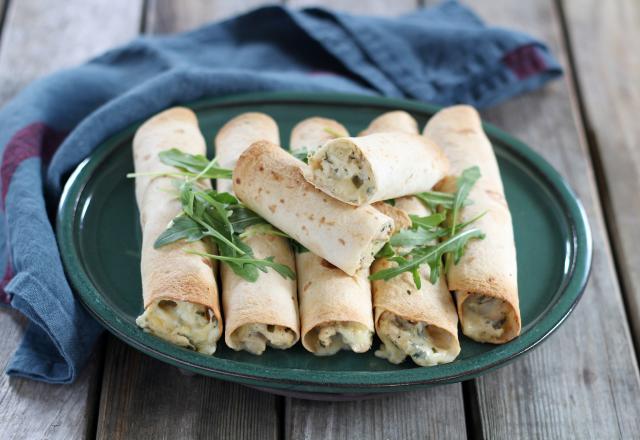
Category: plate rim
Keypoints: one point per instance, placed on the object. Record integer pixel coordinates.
(277, 377)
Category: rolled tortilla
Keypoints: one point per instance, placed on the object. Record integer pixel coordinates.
(264, 312)
(269, 181)
(420, 323)
(395, 121)
(485, 279)
(335, 308)
(377, 167)
(179, 289)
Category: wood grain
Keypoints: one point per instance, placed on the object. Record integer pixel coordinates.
(171, 16)
(436, 413)
(41, 36)
(583, 382)
(605, 43)
(432, 413)
(38, 37)
(145, 398)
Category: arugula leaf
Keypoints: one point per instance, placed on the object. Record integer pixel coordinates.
(207, 213)
(416, 237)
(431, 255)
(301, 154)
(386, 251)
(195, 164)
(433, 199)
(181, 228)
(391, 202)
(244, 261)
(463, 186)
(429, 221)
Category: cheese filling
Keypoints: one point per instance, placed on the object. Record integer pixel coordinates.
(328, 339)
(427, 345)
(341, 170)
(255, 337)
(182, 323)
(485, 317)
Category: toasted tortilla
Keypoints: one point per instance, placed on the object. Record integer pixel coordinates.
(485, 280)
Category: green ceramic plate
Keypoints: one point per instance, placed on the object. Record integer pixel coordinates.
(99, 238)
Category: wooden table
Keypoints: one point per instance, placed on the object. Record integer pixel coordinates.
(582, 383)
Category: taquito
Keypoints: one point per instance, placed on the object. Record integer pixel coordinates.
(395, 121)
(376, 167)
(264, 312)
(420, 323)
(485, 279)
(335, 308)
(179, 289)
(269, 181)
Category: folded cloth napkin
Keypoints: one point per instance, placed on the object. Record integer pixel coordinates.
(443, 54)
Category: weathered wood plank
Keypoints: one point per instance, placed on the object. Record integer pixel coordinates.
(170, 16)
(583, 382)
(605, 42)
(144, 398)
(432, 413)
(40, 36)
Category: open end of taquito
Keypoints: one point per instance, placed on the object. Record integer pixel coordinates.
(380, 166)
(419, 323)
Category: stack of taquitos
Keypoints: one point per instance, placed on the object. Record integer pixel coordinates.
(420, 323)
(335, 308)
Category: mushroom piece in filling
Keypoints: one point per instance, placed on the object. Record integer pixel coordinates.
(328, 339)
(427, 345)
(255, 337)
(183, 323)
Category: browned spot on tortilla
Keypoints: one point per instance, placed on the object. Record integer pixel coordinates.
(326, 264)
(259, 190)
(324, 200)
(207, 262)
(306, 286)
(238, 180)
(267, 191)
(277, 177)
(281, 200)
(272, 208)
(304, 228)
(311, 217)
(261, 168)
(342, 242)
(146, 156)
(179, 130)
(322, 220)
(465, 131)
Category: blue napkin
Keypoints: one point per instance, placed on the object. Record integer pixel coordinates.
(443, 55)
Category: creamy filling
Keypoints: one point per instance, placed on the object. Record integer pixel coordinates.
(328, 339)
(343, 172)
(376, 244)
(485, 317)
(255, 337)
(427, 345)
(182, 323)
